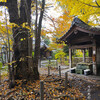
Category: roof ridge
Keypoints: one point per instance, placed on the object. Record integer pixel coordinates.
(77, 21)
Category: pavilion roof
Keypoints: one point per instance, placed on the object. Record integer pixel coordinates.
(78, 24)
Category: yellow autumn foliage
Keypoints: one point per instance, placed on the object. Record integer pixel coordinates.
(59, 55)
(87, 10)
(61, 26)
(3, 0)
(79, 53)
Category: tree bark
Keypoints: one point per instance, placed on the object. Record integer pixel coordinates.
(23, 67)
(23, 70)
(37, 39)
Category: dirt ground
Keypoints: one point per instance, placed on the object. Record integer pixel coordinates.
(79, 87)
(88, 85)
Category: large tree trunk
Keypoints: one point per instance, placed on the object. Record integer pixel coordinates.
(21, 54)
(22, 41)
(23, 67)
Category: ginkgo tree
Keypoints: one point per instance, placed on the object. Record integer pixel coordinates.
(61, 26)
(20, 17)
(4, 40)
(87, 10)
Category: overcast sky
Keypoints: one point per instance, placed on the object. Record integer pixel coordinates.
(51, 12)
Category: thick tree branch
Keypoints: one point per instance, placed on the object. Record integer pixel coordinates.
(27, 12)
(41, 15)
(36, 17)
(97, 3)
(89, 4)
(37, 36)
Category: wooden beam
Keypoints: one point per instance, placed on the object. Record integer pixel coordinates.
(81, 40)
(68, 33)
(81, 46)
(88, 31)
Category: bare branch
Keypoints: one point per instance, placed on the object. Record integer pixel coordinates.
(51, 21)
(97, 3)
(89, 4)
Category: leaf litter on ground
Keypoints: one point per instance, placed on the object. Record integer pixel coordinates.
(53, 90)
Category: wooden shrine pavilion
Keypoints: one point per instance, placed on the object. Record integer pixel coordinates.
(44, 49)
(82, 36)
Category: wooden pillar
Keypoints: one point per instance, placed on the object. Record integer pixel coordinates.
(66, 79)
(83, 55)
(90, 52)
(59, 71)
(41, 90)
(70, 58)
(94, 59)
